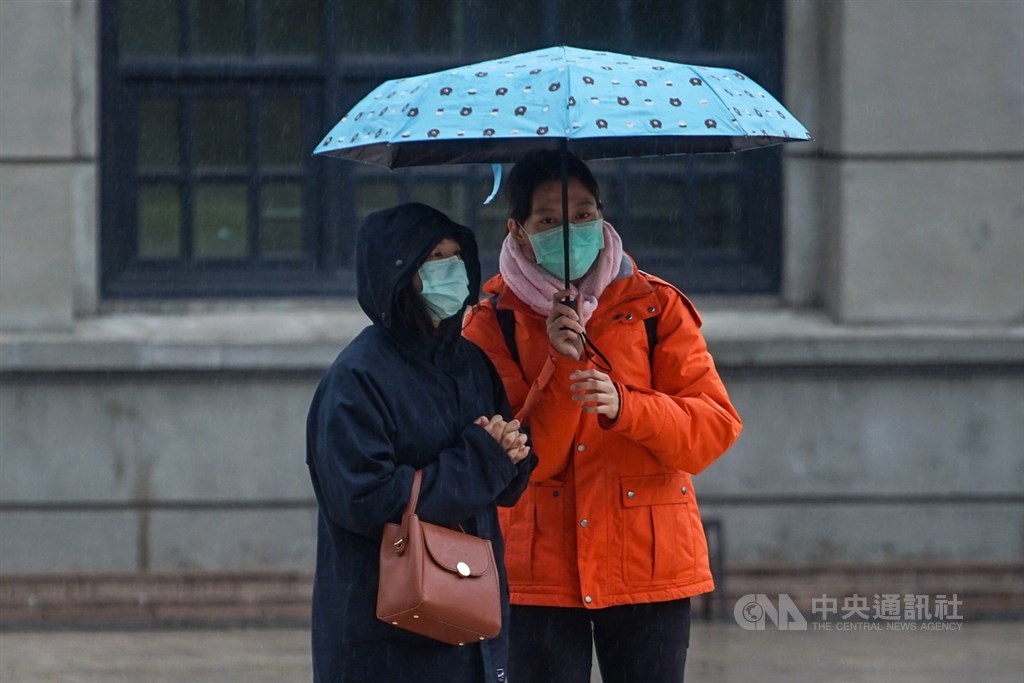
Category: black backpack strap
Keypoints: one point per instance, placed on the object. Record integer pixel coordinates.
(507, 322)
(651, 325)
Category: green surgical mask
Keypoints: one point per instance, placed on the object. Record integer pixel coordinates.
(585, 242)
(445, 286)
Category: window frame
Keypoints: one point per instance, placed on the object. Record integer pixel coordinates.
(334, 82)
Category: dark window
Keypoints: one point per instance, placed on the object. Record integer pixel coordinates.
(211, 109)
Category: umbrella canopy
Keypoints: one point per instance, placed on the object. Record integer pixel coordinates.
(602, 104)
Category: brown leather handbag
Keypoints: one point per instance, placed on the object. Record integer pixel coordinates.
(441, 583)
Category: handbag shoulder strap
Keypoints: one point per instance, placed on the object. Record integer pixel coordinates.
(414, 494)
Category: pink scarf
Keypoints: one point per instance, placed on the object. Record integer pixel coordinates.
(536, 287)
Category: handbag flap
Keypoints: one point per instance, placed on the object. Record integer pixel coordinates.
(460, 553)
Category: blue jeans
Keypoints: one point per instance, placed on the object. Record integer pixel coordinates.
(643, 643)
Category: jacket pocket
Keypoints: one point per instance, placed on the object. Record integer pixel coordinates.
(658, 542)
(548, 553)
(535, 543)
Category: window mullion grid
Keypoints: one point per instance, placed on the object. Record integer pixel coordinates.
(255, 249)
(470, 35)
(129, 156)
(314, 239)
(188, 175)
(688, 198)
(186, 184)
(618, 204)
(186, 35)
(253, 43)
(405, 184)
(552, 10)
(325, 243)
(471, 208)
(116, 205)
(626, 25)
(407, 25)
(691, 34)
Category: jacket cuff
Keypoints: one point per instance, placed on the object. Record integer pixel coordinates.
(565, 364)
(609, 424)
(558, 368)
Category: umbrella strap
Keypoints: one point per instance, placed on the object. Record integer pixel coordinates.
(496, 171)
(594, 354)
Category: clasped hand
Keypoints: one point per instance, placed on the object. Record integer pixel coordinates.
(507, 435)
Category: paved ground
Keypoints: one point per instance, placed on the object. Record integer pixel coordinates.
(979, 652)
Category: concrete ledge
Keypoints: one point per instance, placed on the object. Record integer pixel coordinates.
(986, 591)
(307, 337)
(171, 598)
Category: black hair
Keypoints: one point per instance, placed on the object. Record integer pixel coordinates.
(411, 311)
(535, 169)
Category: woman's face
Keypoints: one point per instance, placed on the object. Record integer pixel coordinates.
(546, 211)
(443, 249)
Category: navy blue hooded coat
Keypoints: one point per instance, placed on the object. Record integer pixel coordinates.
(400, 398)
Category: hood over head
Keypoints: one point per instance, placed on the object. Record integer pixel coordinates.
(391, 245)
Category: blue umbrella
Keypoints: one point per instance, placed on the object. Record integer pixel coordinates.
(602, 105)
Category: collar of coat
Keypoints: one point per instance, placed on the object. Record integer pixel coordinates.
(629, 294)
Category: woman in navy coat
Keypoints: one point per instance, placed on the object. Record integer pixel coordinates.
(408, 393)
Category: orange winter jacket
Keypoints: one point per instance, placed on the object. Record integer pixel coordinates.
(610, 516)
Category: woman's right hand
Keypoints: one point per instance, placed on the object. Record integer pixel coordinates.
(507, 435)
(564, 328)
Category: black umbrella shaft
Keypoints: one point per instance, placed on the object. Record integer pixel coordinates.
(565, 207)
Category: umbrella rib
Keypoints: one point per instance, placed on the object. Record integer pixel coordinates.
(718, 97)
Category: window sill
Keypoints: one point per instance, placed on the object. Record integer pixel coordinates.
(306, 336)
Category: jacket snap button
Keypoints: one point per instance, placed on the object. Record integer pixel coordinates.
(463, 569)
(584, 523)
(630, 494)
(399, 262)
(651, 309)
(684, 489)
(629, 316)
(554, 494)
(588, 600)
(581, 448)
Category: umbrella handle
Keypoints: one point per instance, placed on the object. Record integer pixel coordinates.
(590, 350)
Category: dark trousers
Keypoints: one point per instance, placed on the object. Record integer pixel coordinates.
(634, 643)
(405, 660)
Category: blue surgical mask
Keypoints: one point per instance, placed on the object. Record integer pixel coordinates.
(445, 286)
(585, 242)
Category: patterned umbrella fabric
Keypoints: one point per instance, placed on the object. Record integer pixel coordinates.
(603, 104)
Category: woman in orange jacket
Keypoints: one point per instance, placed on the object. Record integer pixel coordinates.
(606, 546)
